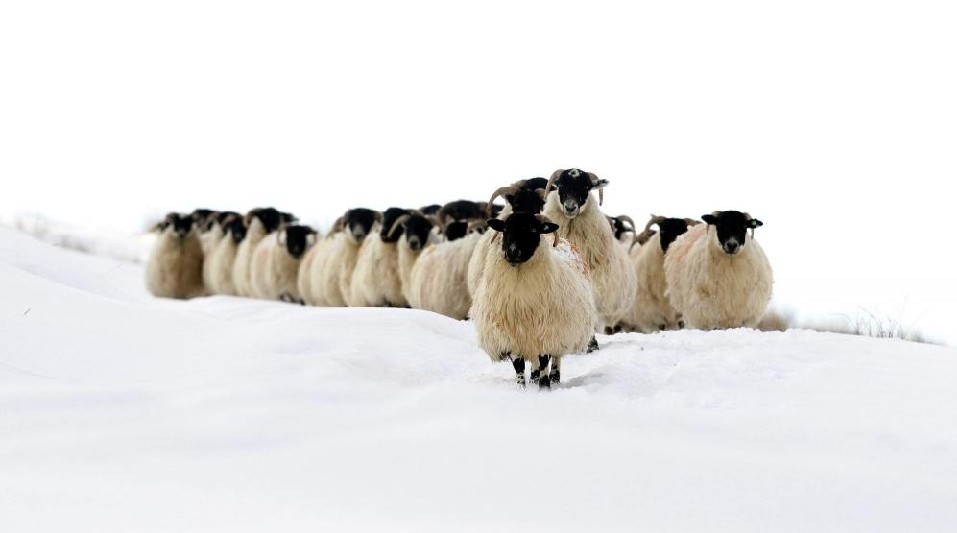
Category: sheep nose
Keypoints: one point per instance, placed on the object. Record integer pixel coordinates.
(731, 247)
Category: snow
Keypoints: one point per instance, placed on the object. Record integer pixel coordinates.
(122, 412)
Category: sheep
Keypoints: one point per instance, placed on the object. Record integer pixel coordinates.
(175, 266)
(330, 273)
(719, 279)
(621, 226)
(259, 223)
(652, 311)
(527, 196)
(454, 217)
(535, 302)
(218, 266)
(439, 279)
(215, 230)
(275, 266)
(375, 280)
(612, 275)
(416, 236)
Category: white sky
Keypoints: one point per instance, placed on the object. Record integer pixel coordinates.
(833, 122)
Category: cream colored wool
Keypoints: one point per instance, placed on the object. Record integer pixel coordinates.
(651, 309)
(714, 290)
(609, 267)
(476, 267)
(439, 279)
(210, 241)
(407, 260)
(375, 280)
(309, 270)
(242, 275)
(218, 268)
(544, 306)
(175, 266)
(275, 273)
(335, 262)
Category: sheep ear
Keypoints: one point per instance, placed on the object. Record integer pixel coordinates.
(549, 227)
(599, 183)
(755, 223)
(711, 220)
(496, 224)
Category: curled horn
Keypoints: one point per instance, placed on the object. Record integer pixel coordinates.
(551, 181)
(642, 238)
(543, 219)
(626, 218)
(503, 192)
(601, 190)
(398, 222)
(692, 222)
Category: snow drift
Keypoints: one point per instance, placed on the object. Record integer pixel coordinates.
(122, 412)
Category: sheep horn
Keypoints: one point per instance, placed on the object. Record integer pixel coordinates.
(655, 219)
(642, 238)
(626, 218)
(503, 192)
(398, 222)
(551, 181)
(692, 222)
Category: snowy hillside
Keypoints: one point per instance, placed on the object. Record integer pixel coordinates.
(121, 412)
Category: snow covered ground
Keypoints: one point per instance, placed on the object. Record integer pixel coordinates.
(121, 412)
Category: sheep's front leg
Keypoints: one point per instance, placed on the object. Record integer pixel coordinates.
(544, 381)
(519, 364)
(555, 376)
(592, 345)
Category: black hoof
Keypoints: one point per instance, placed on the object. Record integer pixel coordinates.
(535, 375)
(544, 383)
(555, 376)
(592, 345)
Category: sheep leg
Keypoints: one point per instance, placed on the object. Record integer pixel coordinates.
(519, 364)
(544, 382)
(592, 345)
(287, 298)
(555, 376)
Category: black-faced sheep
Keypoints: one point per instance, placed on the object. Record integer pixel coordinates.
(175, 266)
(259, 223)
(375, 279)
(218, 265)
(331, 273)
(581, 221)
(717, 275)
(417, 235)
(534, 303)
(275, 266)
(652, 311)
(525, 196)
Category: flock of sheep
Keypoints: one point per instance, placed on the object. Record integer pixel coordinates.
(539, 275)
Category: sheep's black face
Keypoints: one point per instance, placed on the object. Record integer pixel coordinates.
(268, 217)
(202, 216)
(359, 222)
(430, 209)
(521, 235)
(236, 229)
(181, 224)
(388, 220)
(297, 240)
(456, 230)
(574, 187)
(463, 210)
(671, 229)
(417, 230)
(732, 228)
(526, 200)
(618, 227)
